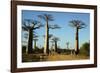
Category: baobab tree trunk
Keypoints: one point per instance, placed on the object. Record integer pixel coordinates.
(77, 42)
(46, 45)
(55, 46)
(30, 42)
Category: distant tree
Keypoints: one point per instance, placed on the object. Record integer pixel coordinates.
(55, 40)
(77, 24)
(47, 18)
(30, 26)
(67, 45)
(35, 39)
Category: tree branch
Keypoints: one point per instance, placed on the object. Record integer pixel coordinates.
(54, 26)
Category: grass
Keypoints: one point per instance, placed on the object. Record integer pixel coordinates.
(54, 57)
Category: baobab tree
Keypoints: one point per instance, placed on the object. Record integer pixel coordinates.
(35, 41)
(77, 24)
(55, 40)
(47, 18)
(67, 45)
(30, 26)
(50, 36)
(52, 45)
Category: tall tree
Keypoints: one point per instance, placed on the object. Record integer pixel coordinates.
(55, 40)
(30, 26)
(47, 18)
(77, 24)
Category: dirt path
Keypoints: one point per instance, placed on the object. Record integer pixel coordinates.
(66, 57)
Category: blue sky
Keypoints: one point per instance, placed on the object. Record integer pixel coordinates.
(65, 33)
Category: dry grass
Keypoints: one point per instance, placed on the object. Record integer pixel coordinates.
(54, 57)
(66, 57)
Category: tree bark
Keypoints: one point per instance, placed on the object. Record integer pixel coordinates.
(77, 42)
(30, 42)
(46, 46)
(55, 46)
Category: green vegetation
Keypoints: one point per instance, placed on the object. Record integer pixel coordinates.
(85, 49)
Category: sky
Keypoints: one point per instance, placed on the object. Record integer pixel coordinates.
(66, 33)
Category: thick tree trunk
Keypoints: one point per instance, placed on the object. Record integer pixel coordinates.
(46, 45)
(30, 42)
(55, 46)
(77, 42)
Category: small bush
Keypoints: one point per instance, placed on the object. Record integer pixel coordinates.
(85, 49)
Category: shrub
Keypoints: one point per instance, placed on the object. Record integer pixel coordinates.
(85, 49)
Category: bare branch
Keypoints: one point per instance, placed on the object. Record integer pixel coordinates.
(35, 39)
(46, 17)
(55, 39)
(77, 23)
(35, 36)
(54, 26)
(24, 28)
(27, 24)
(38, 26)
(50, 35)
(42, 17)
(49, 17)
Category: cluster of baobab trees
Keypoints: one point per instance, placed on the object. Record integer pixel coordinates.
(31, 25)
